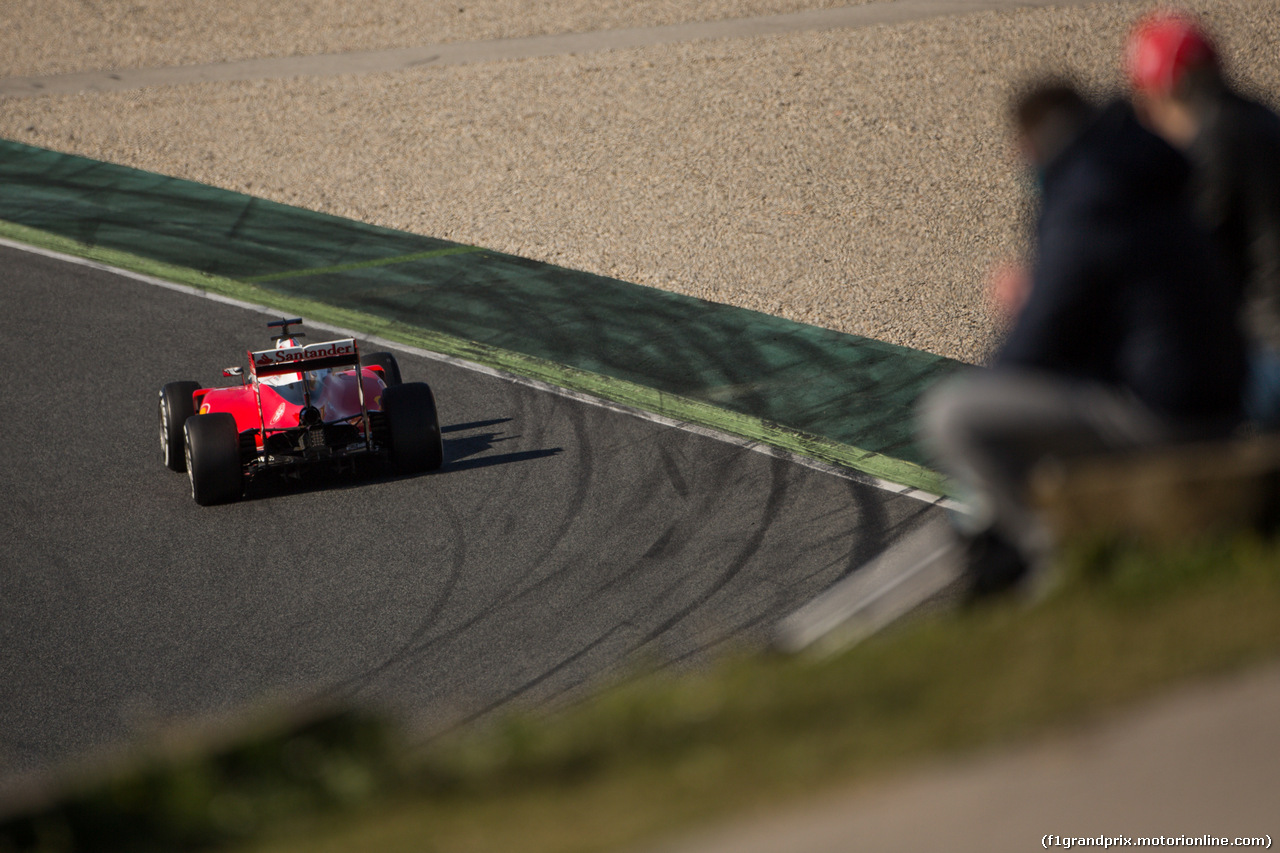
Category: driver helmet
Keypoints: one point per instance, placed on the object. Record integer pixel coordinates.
(1163, 46)
(315, 378)
(284, 378)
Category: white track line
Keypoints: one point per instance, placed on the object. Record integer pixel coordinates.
(588, 399)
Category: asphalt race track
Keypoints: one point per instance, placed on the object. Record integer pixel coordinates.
(561, 541)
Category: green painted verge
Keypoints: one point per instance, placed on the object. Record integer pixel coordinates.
(364, 265)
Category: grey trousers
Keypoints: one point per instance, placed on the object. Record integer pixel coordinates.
(987, 429)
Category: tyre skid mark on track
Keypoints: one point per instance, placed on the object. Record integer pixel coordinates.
(871, 527)
(347, 687)
(777, 488)
(422, 642)
(577, 500)
(672, 470)
(705, 506)
(516, 692)
(740, 629)
(869, 536)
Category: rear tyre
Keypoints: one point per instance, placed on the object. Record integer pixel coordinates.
(414, 443)
(213, 458)
(176, 406)
(390, 367)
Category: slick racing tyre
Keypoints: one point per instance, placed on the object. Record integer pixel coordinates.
(390, 367)
(414, 444)
(213, 458)
(176, 406)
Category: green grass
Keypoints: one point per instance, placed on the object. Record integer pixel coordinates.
(665, 752)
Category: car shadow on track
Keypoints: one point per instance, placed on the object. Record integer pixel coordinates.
(463, 453)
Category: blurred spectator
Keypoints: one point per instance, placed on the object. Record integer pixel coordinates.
(1234, 144)
(1123, 336)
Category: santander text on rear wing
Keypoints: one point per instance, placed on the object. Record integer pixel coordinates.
(273, 362)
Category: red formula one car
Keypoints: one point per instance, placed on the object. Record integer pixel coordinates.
(299, 407)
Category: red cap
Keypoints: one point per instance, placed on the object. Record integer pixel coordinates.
(1162, 47)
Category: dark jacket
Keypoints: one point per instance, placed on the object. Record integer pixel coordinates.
(1236, 188)
(1126, 289)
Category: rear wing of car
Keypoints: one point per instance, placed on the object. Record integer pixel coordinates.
(301, 359)
(273, 362)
